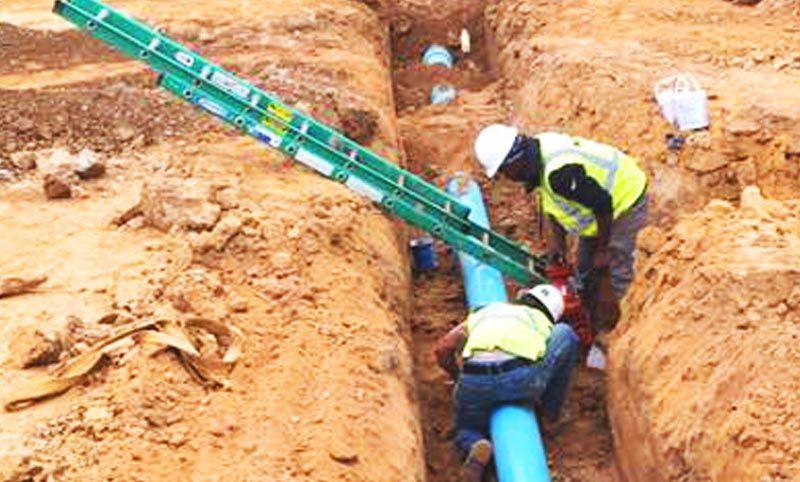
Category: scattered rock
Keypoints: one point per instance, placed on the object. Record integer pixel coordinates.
(238, 305)
(344, 454)
(125, 132)
(228, 227)
(24, 161)
(227, 198)
(704, 162)
(39, 349)
(751, 198)
(56, 188)
(181, 203)
(87, 166)
(743, 127)
(59, 160)
(25, 124)
(651, 239)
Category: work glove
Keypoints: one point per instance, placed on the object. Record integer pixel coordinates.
(555, 257)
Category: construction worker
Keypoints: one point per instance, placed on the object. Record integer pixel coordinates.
(588, 189)
(512, 353)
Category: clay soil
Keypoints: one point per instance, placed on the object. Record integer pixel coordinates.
(192, 221)
(336, 378)
(704, 382)
(588, 68)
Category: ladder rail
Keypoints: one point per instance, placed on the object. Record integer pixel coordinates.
(488, 237)
(257, 113)
(191, 70)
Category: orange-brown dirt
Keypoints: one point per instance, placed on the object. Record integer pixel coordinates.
(437, 140)
(589, 68)
(316, 278)
(313, 275)
(704, 365)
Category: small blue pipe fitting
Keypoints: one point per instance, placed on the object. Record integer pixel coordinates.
(437, 55)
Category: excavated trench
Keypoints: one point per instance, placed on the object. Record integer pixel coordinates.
(332, 383)
(589, 70)
(437, 140)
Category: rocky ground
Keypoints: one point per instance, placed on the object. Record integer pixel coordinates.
(120, 205)
(132, 207)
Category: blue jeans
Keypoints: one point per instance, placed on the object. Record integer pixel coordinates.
(621, 246)
(545, 382)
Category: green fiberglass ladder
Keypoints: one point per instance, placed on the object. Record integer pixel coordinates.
(263, 116)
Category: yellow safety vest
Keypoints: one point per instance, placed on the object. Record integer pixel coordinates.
(515, 329)
(614, 170)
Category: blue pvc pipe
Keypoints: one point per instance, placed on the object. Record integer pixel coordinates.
(437, 55)
(483, 284)
(518, 450)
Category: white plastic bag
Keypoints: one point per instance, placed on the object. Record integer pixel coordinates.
(683, 102)
(596, 358)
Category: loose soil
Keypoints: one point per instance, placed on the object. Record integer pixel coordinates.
(336, 380)
(192, 221)
(704, 364)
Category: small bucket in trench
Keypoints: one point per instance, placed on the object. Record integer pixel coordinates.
(437, 55)
(423, 254)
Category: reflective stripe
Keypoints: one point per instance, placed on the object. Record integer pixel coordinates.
(583, 221)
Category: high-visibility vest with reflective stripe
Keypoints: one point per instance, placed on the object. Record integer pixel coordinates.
(515, 329)
(614, 170)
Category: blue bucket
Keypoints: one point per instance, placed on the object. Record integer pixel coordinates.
(443, 94)
(423, 254)
(437, 55)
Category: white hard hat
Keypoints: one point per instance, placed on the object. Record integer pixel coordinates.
(549, 296)
(493, 144)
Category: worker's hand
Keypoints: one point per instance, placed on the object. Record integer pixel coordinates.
(555, 257)
(601, 258)
(454, 376)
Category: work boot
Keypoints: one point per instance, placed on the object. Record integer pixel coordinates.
(479, 455)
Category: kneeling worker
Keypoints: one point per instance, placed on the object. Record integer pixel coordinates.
(512, 353)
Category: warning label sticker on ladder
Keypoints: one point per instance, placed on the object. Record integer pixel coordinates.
(229, 84)
(265, 135)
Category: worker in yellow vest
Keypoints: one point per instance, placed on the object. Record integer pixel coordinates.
(588, 189)
(512, 353)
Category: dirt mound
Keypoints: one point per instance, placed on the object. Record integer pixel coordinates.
(551, 55)
(22, 49)
(105, 120)
(304, 292)
(703, 374)
(314, 276)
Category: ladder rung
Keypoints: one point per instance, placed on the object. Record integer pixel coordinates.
(307, 140)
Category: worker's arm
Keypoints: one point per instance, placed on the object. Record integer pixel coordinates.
(448, 347)
(571, 182)
(557, 241)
